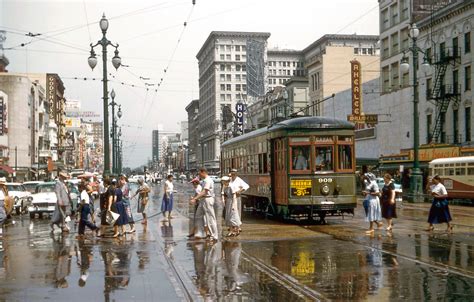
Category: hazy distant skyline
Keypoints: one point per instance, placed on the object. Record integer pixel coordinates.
(147, 32)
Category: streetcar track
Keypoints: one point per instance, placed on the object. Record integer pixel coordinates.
(431, 264)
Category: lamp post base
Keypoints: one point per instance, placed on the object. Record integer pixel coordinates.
(416, 187)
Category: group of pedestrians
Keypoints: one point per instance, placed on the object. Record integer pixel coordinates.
(115, 198)
(205, 221)
(378, 205)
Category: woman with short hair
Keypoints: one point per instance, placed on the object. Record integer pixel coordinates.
(372, 192)
(167, 202)
(439, 211)
(388, 201)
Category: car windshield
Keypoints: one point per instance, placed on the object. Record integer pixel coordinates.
(45, 188)
(15, 188)
(30, 187)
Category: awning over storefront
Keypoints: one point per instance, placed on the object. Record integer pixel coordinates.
(7, 169)
(364, 161)
(396, 166)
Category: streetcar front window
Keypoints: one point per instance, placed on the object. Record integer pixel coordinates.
(345, 157)
(324, 158)
(300, 158)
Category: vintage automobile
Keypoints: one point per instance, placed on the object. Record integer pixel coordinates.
(20, 196)
(43, 201)
(30, 186)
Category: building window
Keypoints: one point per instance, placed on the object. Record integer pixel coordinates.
(228, 58)
(428, 128)
(455, 126)
(237, 57)
(467, 123)
(429, 87)
(228, 47)
(404, 39)
(222, 67)
(221, 47)
(222, 97)
(455, 47)
(467, 42)
(395, 48)
(244, 48)
(237, 67)
(404, 9)
(395, 75)
(222, 87)
(385, 79)
(394, 9)
(228, 87)
(244, 87)
(222, 57)
(222, 77)
(244, 68)
(467, 78)
(244, 77)
(456, 82)
(228, 77)
(237, 77)
(385, 19)
(237, 47)
(356, 50)
(237, 87)
(385, 48)
(228, 67)
(405, 79)
(443, 127)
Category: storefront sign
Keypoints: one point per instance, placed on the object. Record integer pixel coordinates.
(356, 88)
(364, 118)
(433, 153)
(83, 114)
(240, 109)
(51, 93)
(300, 187)
(2, 116)
(72, 122)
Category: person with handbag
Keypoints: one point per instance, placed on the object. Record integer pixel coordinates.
(142, 192)
(374, 213)
(63, 202)
(439, 211)
(106, 202)
(123, 182)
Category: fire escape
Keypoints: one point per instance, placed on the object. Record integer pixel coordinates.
(442, 95)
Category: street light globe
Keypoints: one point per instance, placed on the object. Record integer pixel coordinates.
(104, 23)
(414, 31)
(404, 67)
(92, 60)
(116, 60)
(426, 66)
(112, 94)
(119, 113)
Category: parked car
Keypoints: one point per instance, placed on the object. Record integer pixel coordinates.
(20, 196)
(43, 201)
(30, 186)
(398, 189)
(215, 178)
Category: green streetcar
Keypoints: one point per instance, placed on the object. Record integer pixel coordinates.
(299, 169)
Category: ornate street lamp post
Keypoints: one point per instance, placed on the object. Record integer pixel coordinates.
(116, 61)
(416, 179)
(113, 135)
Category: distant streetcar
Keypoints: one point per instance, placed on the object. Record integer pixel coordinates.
(457, 174)
(301, 168)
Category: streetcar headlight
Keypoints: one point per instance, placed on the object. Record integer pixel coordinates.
(325, 190)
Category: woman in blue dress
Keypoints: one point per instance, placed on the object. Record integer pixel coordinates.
(439, 211)
(374, 212)
(121, 210)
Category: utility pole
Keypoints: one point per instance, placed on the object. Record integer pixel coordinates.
(38, 171)
(16, 161)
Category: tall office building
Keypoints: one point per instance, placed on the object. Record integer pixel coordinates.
(231, 66)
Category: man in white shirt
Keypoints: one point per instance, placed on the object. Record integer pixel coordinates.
(207, 194)
(238, 187)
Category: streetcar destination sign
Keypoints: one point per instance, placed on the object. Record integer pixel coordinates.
(300, 187)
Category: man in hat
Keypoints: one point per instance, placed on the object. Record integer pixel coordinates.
(63, 202)
(238, 187)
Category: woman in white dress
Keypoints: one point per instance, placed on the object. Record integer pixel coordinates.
(374, 212)
(232, 217)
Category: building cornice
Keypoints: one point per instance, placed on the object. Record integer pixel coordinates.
(229, 34)
(444, 14)
(340, 38)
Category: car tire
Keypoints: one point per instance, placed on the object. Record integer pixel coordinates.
(32, 215)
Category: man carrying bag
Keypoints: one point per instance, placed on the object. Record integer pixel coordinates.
(63, 202)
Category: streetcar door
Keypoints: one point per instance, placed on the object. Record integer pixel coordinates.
(280, 173)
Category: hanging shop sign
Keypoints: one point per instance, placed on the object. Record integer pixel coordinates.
(357, 116)
(239, 115)
(51, 92)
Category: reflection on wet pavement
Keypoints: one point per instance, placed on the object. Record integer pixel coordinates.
(270, 261)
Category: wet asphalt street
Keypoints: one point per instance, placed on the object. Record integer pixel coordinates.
(269, 261)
